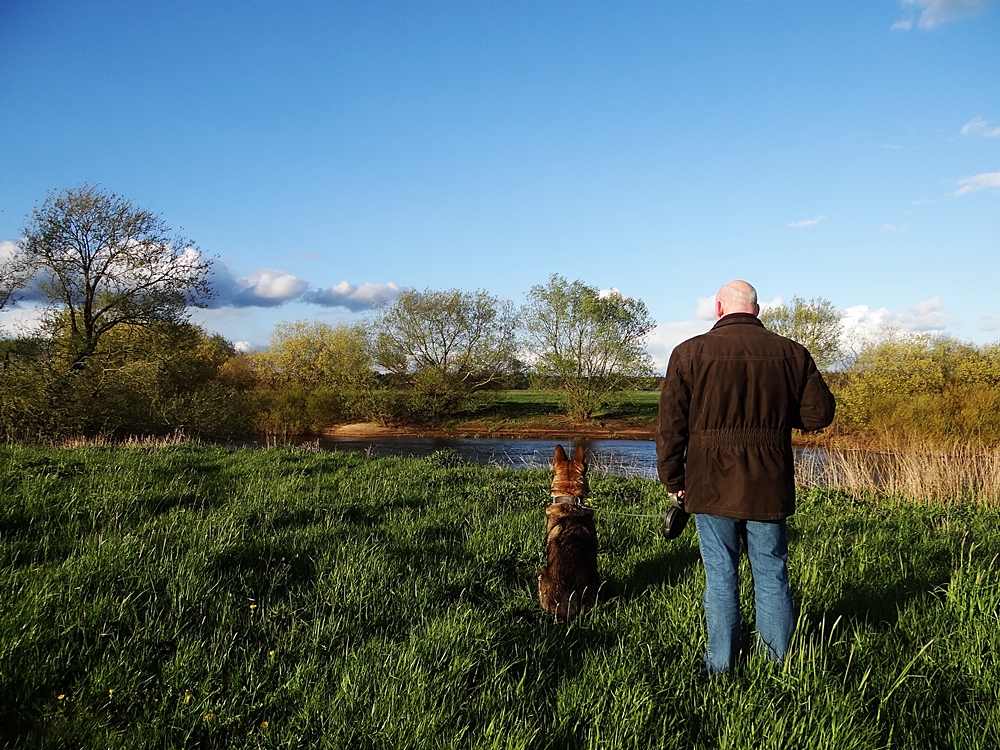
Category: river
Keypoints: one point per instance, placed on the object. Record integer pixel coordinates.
(631, 458)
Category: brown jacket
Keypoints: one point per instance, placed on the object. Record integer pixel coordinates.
(728, 404)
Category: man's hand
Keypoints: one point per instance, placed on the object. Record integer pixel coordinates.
(676, 498)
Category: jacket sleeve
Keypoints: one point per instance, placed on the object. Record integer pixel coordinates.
(672, 428)
(817, 407)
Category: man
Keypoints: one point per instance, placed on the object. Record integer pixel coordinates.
(729, 402)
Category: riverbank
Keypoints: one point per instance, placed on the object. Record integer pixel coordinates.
(554, 428)
(534, 415)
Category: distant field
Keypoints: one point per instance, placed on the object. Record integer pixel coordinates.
(225, 598)
(539, 407)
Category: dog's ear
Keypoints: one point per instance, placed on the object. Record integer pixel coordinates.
(581, 455)
(560, 455)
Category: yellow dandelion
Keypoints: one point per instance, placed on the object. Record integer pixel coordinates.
(253, 606)
(187, 698)
(209, 717)
(270, 653)
(111, 692)
(60, 696)
(263, 725)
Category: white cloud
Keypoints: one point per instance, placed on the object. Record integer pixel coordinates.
(981, 127)
(864, 317)
(25, 295)
(263, 288)
(926, 316)
(668, 335)
(354, 298)
(275, 285)
(705, 309)
(269, 288)
(861, 321)
(605, 293)
(22, 320)
(242, 346)
(776, 302)
(978, 182)
(989, 322)
(7, 248)
(895, 228)
(807, 222)
(936, 12)
(902, 25)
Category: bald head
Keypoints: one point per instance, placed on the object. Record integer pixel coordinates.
(736, 297)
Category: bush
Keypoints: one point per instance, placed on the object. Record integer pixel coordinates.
(148, 381)
(921, 388)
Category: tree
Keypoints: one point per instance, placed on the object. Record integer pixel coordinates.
(591, 342)
(311, 355)
(815, 324)
(463, 338)
(100, 262)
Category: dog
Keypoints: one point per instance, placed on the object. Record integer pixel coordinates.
(569, 583)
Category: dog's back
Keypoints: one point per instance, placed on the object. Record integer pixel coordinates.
(569, 583)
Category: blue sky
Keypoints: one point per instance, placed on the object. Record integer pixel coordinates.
(332, 153)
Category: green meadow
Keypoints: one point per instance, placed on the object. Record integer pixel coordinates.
(208, 597)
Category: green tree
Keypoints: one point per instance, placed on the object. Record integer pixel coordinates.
(467, 338)
(815, 324)
(315, 354)
(592, 343)
(313, 374)
(100, 262)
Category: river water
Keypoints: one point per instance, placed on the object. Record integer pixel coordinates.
(631, 458)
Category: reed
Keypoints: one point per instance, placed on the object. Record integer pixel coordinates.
(177, 437)
(918, 472)
(611, 465)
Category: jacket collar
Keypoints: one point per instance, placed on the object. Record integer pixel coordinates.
(737, 318)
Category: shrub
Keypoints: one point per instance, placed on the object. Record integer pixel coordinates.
(921, 388)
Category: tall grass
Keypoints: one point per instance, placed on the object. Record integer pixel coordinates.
(925, 473)
(194, 596)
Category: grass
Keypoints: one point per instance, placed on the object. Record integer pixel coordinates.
(193, 596)
(521, 404)
(529, 411)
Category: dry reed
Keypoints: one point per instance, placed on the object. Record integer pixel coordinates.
(921, 473)
(607, 464)
(132, 441)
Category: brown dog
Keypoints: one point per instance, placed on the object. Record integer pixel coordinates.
(569, 584)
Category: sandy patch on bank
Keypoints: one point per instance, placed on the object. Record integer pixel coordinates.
(480, 430)
(368, 430)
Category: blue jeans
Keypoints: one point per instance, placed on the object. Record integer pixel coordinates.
(767, 548)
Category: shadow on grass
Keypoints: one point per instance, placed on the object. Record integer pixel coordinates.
(893, 569)
(262, 569)
(667, 567)
(879, 604)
